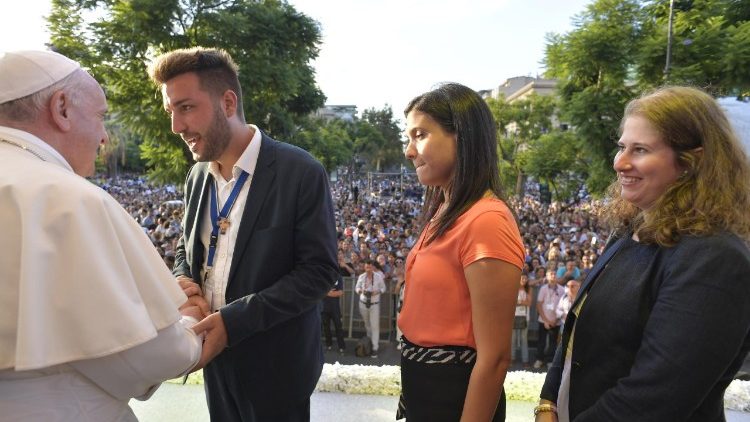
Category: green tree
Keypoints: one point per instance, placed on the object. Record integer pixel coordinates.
(272, 43)
(617, 49)
(121, 153)
(519, 123)
(554, 158)
(382, 142)
(594, 65)
(710, 46)
(329, 142)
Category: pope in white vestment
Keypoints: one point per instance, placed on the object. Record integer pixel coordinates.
(88, 312)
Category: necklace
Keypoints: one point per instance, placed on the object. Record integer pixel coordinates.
(23, 147)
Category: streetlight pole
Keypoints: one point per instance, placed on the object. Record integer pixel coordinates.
(669, 41)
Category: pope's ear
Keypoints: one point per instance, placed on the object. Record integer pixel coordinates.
(59, 109)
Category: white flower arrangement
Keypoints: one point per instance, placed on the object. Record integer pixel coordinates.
(360, 379)
(519, 385)
(523, 385)
(737, 396)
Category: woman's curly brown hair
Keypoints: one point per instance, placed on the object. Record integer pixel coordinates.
(713, 194)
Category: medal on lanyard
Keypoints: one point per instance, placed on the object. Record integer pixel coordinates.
(220, 219)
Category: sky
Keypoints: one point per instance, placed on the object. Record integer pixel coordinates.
(378, 52)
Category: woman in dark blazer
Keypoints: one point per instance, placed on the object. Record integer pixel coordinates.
(662, 323)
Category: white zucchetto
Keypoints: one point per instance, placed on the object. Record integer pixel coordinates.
(23, 73)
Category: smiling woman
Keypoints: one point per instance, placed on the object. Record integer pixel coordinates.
(675, 282)
(646, 166)
(681, 168)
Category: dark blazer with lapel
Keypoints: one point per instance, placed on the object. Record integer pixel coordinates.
(284, 263)
(661, 333)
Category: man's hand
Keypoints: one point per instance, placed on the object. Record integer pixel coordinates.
(335, 293)
(189, 286)
(195, 296)
(215, 339)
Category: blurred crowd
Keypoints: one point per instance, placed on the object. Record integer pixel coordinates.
(377, 221)
(158, 210)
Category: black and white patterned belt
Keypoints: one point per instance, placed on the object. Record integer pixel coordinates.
(461, 355)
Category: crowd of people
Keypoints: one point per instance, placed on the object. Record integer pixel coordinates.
(640, 334)
(157, 209)
(377, 221)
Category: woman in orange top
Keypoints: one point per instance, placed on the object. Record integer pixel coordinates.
(462, 275)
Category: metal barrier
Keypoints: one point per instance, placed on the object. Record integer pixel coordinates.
(354, 326)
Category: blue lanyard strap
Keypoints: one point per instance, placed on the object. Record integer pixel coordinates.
(220, 219)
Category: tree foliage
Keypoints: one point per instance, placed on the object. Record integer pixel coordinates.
(554, 158)
(379, 138)
(518, 124)
(272, 43)
(617, 49)
(372, 140)
(328, 142)
(593, 63)
(710, 46)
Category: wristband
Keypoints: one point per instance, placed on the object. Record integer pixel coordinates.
(545, 407)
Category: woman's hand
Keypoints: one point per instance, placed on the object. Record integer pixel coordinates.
(546, 417)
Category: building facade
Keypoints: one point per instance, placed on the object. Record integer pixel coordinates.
(336, 112)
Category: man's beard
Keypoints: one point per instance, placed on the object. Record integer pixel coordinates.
(216, 138)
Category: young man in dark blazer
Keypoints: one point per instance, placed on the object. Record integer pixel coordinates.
(258, 251)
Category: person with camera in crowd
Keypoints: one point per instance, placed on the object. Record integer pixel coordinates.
(370, 285)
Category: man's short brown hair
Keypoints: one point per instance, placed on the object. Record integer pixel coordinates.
(215, 68)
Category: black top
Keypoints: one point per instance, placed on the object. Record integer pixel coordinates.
(331, 304)
(661, 334)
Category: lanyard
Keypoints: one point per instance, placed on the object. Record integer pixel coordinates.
(220, 219)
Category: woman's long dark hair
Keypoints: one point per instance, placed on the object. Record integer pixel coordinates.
(462, 112)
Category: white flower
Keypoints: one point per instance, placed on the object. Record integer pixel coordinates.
(523, 385)
(737, 396)
(360, 379)
(519, 385)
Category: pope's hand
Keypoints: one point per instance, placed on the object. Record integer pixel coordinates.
(215, 339)
(200, 303)
(192, 311)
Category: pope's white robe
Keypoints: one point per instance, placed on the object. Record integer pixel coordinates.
(88, 311)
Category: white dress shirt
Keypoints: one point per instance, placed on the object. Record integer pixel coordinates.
(215, 282)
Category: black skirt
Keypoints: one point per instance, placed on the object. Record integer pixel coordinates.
(434, 383)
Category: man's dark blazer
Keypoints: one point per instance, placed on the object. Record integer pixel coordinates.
(661, 333)
(284, 263)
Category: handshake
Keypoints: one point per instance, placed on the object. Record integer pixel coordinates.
(210, 326)
(196, 306)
